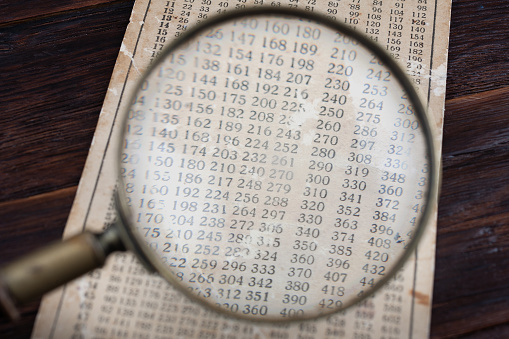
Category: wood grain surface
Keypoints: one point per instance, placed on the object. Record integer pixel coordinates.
(56, 60)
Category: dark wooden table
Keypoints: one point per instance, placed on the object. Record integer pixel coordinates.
(56, 60)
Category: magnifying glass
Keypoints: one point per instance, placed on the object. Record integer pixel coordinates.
(274, 165)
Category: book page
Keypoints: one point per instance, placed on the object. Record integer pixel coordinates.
(123, 300)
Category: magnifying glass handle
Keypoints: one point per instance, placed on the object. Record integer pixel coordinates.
(47, 268)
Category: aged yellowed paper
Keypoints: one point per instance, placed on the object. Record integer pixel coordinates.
(123, 301)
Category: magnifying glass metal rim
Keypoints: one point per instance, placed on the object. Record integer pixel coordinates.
(137, 244)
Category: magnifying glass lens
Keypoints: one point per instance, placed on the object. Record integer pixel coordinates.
(275, 167)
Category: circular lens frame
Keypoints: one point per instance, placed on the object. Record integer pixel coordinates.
(137, 244)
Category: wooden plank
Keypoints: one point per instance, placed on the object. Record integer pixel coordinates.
(33, 222)
(479, 46)
(55, 73)
(476, 122)
(30, 223)
(28, 9)
(472, 265)
(470, 291)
